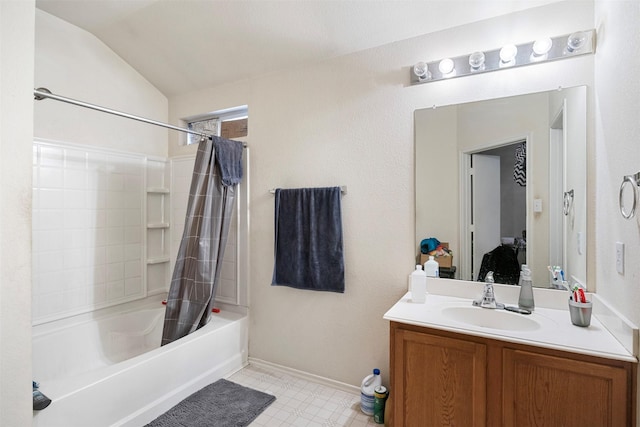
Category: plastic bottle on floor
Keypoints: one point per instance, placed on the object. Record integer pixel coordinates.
(369, 384)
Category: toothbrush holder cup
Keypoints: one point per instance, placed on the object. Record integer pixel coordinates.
(580, 312)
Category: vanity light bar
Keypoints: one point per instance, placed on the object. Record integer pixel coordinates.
(509, 56)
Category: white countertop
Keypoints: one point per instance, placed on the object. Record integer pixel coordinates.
(555, 329)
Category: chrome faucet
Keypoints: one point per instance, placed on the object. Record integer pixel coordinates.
(488, 299)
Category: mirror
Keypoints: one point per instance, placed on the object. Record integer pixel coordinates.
(506, 173)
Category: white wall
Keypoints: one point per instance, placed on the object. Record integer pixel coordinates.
(617, 150)
(616, 153)
(73, 63)
(349, 121)
(16, 133)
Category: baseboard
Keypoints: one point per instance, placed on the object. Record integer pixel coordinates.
(304, 375)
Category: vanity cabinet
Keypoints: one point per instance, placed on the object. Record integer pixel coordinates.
(444, 378)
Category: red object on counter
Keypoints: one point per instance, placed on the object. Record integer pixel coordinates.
(583, 297)
(215, 310)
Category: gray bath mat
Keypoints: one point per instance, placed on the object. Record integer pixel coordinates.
(221, 404)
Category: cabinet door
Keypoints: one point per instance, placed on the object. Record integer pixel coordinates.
(543, 390)
(438, 381)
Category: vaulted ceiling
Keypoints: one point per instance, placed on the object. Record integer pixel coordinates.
(186, 45)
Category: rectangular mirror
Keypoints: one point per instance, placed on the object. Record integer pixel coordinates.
(503, 182)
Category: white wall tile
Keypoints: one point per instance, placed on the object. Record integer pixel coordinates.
(51, 177)
(99, 274)
(49, 262)
(132, 235)
(133, 183)
(74, 199)
(75, 239)
(51, 156)
(132, 269)
(74, 258)
(87, 229)
(115, 236)
(133, 217)
(47, 240)
(50, 198)
(115, 217)
(74, 278)
(97, 294)
(115, 253)
(115, 272)
(75, 159)
(115, 290)
(96, 255)
(132, 251)
(75, 179)
(133, 286)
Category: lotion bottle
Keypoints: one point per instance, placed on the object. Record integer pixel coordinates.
(431, 267)
(418, 285)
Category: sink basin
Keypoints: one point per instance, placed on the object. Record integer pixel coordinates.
(488, 318)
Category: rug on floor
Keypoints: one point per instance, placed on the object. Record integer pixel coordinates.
(221, 404)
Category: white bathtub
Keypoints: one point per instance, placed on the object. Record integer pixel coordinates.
(110, 371)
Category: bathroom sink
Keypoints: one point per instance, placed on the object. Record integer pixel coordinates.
(489, 318)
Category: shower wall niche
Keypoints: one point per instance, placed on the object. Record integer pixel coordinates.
(158, 225)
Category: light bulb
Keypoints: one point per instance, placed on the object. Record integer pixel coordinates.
(542, 46)
(421, 70)
(476, 61)
(576, 41)
(446, 67)
(508, 55)
(540, 49)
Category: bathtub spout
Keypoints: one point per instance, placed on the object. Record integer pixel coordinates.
(40, 401)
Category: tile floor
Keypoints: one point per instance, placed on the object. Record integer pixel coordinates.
(302, 403)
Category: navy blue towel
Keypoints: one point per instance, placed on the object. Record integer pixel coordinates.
(229, 159)
(308, 239)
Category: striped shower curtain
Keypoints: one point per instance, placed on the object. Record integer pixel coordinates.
(197, 271)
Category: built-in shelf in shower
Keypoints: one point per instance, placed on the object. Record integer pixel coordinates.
(158, 225)
(159, 190)
(158, 260)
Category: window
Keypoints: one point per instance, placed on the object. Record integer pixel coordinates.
(230, 123)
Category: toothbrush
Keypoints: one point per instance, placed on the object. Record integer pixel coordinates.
(578, 294)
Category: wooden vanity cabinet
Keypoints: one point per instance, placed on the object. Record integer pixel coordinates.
(441, 378)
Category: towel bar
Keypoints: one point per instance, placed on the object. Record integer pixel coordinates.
(343, 190)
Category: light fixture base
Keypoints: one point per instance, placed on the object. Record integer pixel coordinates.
(560, 49)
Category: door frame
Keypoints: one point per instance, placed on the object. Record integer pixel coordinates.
(466, 254)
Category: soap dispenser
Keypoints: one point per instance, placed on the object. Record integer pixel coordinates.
(525, 300)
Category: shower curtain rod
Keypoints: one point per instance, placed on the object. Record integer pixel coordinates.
(42, 93)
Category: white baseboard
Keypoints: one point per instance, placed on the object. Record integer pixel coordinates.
(304, 375)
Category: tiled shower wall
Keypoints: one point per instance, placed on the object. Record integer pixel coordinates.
(87, 229)
(102, 229)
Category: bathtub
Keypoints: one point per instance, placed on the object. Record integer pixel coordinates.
(108, 370)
